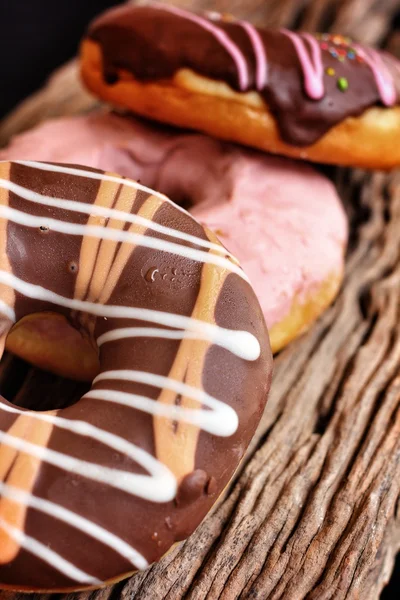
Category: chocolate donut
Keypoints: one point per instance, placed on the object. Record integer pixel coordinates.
(106, 486)
(321, 97)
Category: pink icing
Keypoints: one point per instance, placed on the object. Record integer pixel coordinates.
(221, 36)
(260, 54)
(312, 66)
(382, 75)
(282, 219)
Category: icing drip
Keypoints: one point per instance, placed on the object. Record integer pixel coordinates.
(260, 54)
(221, 36)
(174, 401)
(312, 65)
(383, 78)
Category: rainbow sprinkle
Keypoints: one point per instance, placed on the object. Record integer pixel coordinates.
(339, 47)
(342, 84)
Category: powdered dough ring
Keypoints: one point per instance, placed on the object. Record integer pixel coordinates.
(94, 491)
(282, 219)
(324, 98)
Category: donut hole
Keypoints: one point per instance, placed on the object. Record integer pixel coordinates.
(34, 389)
(48, 363)
(184, 201)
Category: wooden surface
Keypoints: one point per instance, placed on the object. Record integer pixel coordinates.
(314, 511)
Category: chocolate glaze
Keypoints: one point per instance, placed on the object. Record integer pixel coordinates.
(192, 487)
(153, 43)
(150, 527)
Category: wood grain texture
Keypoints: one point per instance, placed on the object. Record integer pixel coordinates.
(314, 511)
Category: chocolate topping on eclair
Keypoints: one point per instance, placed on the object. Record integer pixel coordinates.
(310, 82)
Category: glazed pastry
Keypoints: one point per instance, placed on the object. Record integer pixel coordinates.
(94, 491)
(322, 98)
(282, 219)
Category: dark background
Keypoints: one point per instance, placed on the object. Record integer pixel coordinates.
(36, 37)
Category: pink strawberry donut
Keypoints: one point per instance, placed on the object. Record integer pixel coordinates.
(282, 219)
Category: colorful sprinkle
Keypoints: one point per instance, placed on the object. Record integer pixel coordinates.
(333, 53)
(342, 84)
(341, 58)
(351, 54)
(330, 71)
(324, 46)
(337, 39)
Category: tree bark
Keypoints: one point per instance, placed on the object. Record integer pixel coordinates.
(313, 511)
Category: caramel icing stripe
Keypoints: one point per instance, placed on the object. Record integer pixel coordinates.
(147, 212)
(91, 247)
(22, 472)
(90, 244)
(176, 446)
(198, 410)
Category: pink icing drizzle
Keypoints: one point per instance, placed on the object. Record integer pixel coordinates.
(311, 63)
(222, 37)
(260, 54)
(383, 77)
(312, 66)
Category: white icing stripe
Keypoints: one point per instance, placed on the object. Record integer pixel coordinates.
(132, 332)
(7, 311)
(101, 177)
(247, 352)
(162, 489)
(159, 486)
(94, 209)
(219, 421)
(222, 420)
(89, 174)
(74, 520)
(241, 343)
(49, 556)
(117, 235)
